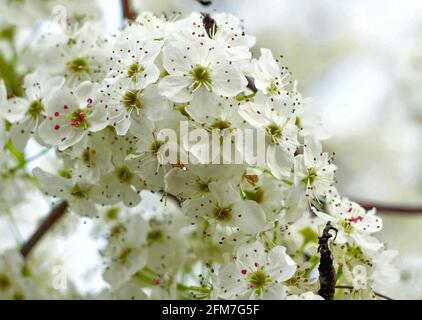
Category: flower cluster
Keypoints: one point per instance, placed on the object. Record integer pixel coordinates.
(245, 230)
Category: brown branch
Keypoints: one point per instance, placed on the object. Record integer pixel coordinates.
(389, 207)
(376, 293)
(55, 214)
(128, 12)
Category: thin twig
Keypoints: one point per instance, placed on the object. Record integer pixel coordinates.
(55, 214)
(128, 13)
(389, 207)
(376, 293)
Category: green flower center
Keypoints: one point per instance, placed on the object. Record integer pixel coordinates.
(272, 88)
(35, 109)
(78, 65)
(275, 132)
(223, 214)
(201, 77)
(311, 177)
(78, 119)
(203, 185)
(256, 195)
(78, 192)
(5, 282)
(156, 145)
(347, 226)
(132, 99)
(221, 125)
(124, 255)
(88, 156)
(154, 236)
(124, 175)
(112, 213)
(258, 280)
(134, 70)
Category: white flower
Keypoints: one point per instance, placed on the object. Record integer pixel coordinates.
(79, 194)
(78, 57)
(3, 99)
(133, 58)
(225, 207)
(71, 115)
(275, 116)
(268, 76)
(126, 251)
(91, 158)
(256, 273)
(314, 169)
(129, 102)
(16, 282)
(197, 67)
(353, 223)
(27, 113)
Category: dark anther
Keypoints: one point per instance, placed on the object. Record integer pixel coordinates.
(327, 273)
(205, 2)
(251, 84)
(209, 24)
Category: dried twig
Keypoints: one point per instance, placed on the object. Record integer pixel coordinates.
(390, 207)
(55, 214)
(327, 273)
(128, 13)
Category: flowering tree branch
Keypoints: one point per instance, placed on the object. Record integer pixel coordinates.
(55, 214)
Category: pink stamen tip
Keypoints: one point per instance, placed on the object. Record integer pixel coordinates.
(89, 101)
(157, 281)
(356, 219)
(350, 209)
(56, 114)
(252, 286)
(256, 264)
(78, 121)
(66, 107)
(244, 271)
(56, 127)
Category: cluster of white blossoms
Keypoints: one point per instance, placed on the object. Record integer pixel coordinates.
(244, 230)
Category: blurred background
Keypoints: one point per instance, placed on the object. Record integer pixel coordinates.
(362, 60)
